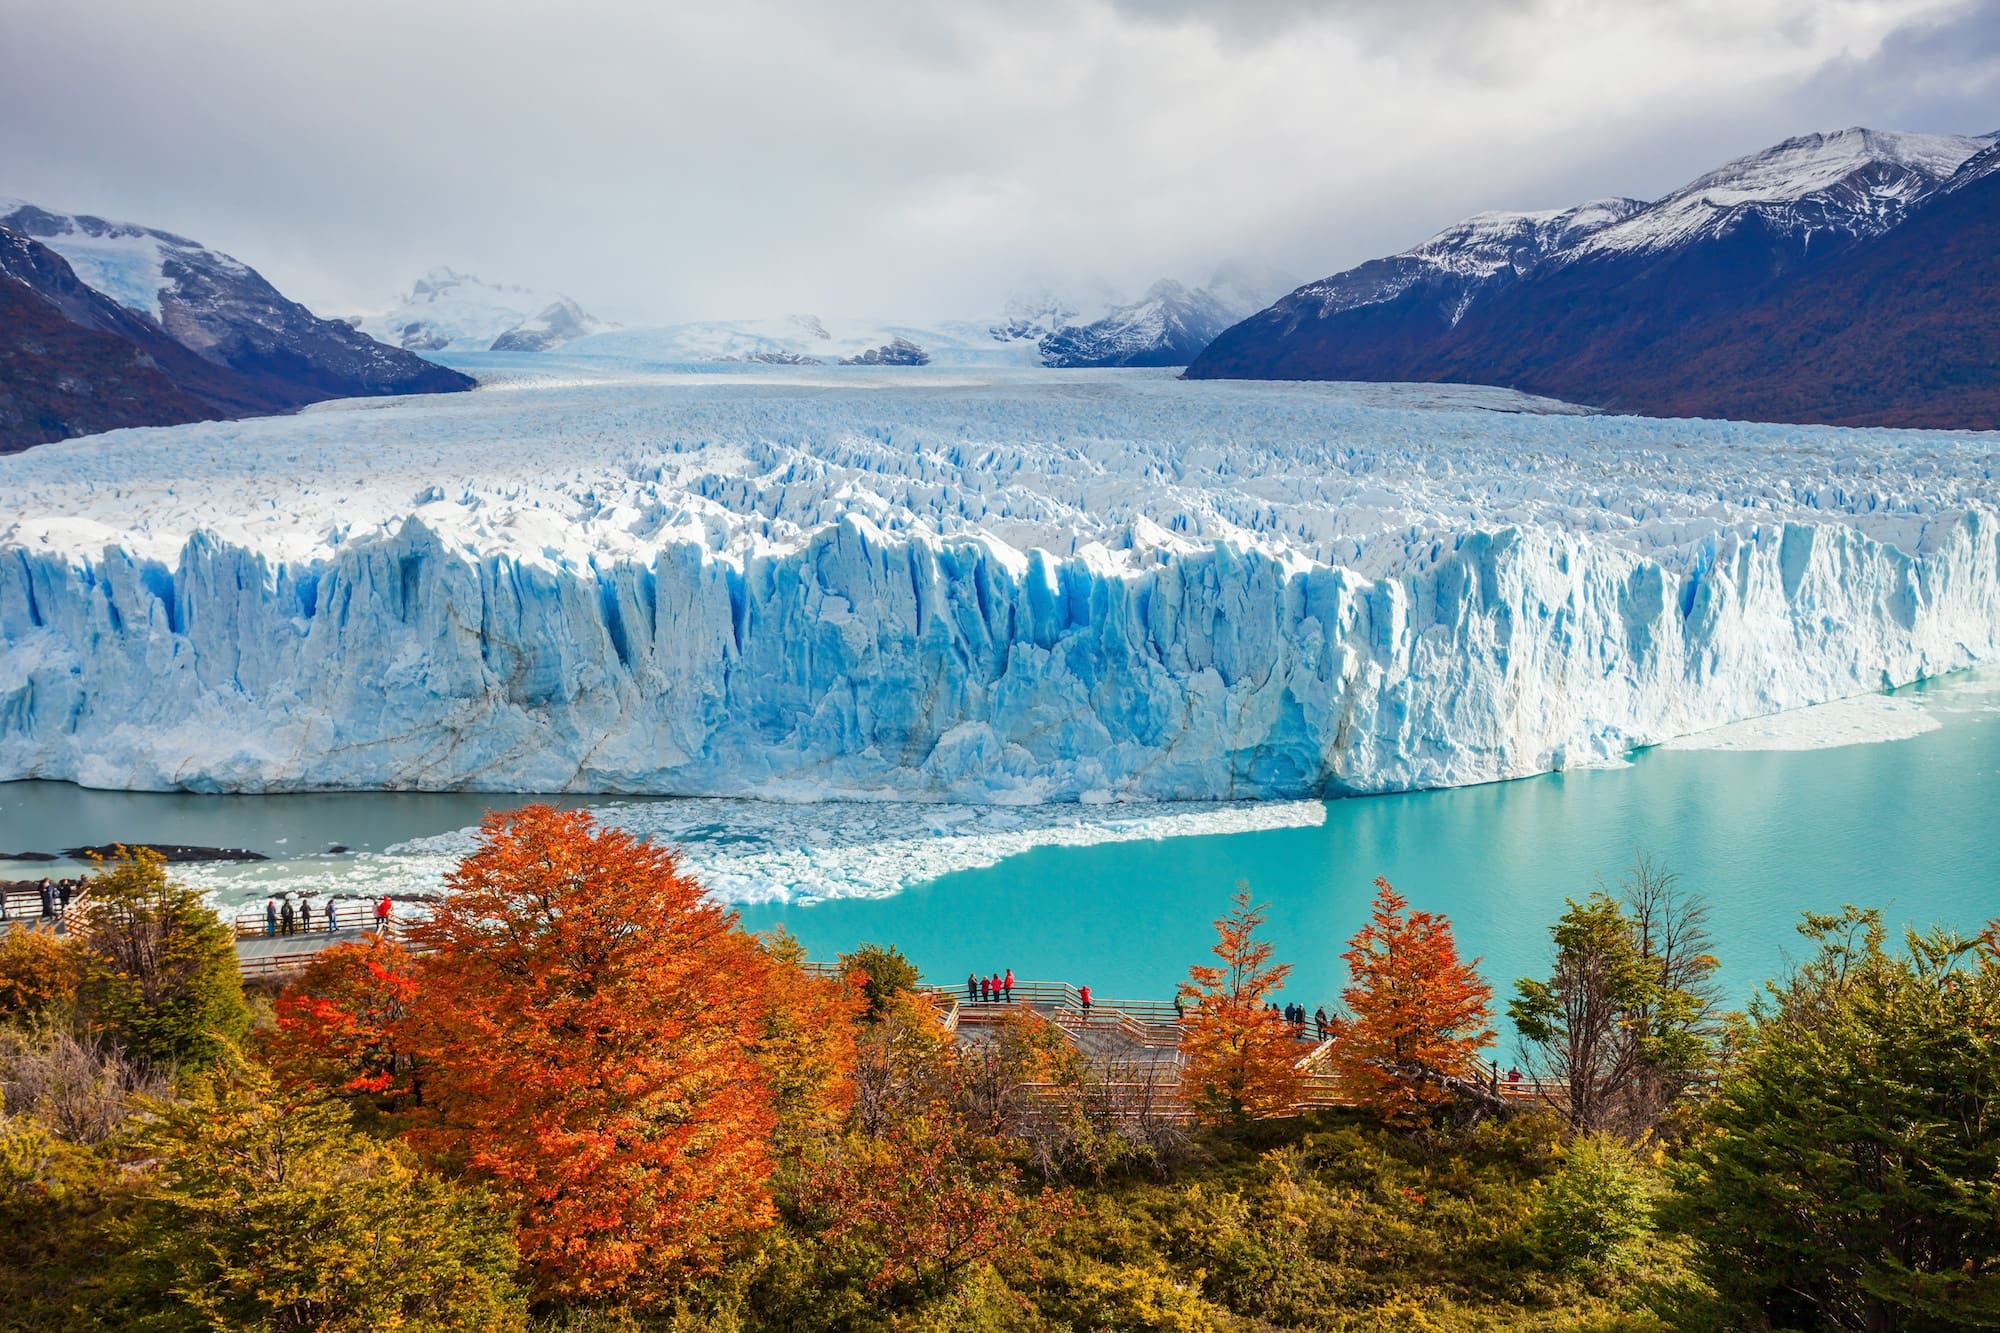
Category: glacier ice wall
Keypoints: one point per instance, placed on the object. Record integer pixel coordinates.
(860, 663)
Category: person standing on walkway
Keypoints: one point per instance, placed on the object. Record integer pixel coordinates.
(331, 922)
(1320, 1023)
(62, 897)
(985, 989)
(1007, 985)
(305, 916)
(1180, 1008)
(1083, 998)
(48, 897)
(270, 916)
(971, 988)
(288, 920)
(382, 915)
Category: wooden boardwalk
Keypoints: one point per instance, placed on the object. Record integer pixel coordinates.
(1134, 1045)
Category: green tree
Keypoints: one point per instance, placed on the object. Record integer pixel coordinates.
(885, 973)
(161, 976)
(1848, 1174)
(1627, 1020)
(272, 1212)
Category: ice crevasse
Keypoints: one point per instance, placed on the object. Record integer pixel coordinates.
(861, 663)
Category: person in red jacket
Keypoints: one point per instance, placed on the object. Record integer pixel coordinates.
(382, 910)
(1007, 985)
(1083, 998)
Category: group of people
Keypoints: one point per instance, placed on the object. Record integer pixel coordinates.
(55, 897)
(281, 918)
(1295, 1016)
(989, 990)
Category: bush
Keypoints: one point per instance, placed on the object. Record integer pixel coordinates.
(39, 974)
(81, 1089)
(1595, 1207)
(276, 1213)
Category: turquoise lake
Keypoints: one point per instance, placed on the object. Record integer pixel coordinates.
(1909, 825)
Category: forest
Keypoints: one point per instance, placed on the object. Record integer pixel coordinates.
(578, 1095)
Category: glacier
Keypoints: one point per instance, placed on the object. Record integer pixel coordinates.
(981, 585)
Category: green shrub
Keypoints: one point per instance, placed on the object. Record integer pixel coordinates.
(1595, 1207)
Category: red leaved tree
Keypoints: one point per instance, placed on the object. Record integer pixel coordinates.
(336, 1024)
(1420, 1015)
(588, 1033)
(1239, 1059)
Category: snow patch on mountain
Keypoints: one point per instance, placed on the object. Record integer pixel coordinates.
(125, 261)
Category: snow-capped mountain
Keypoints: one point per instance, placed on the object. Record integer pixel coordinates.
(258, 352)
(446, 310)
(808, 340)
(1590, 304)
(1168, 326)
(72, 360)
(1817, 188)
(1455, 266)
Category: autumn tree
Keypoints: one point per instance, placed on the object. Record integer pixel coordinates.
(807, 1045)
(1239, 1060)
(588, 1036)
(39, 975)
(919, 1199)
(271, 1211)
(1420, 1015)
(336, 1024)
(160, 977)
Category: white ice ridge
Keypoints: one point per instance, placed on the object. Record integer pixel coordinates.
(999, 587)
(759, 852)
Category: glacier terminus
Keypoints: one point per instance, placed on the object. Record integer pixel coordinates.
(998, 585)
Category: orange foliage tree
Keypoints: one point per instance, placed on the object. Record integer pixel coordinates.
(807, 1047)
(1239, 1059)
(588, 1033)
(336, 1024)
(1420, 1015)
(923, 1192)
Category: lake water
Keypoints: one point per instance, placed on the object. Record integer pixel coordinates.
(1907, 820)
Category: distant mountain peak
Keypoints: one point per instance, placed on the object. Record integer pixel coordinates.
(447, 309)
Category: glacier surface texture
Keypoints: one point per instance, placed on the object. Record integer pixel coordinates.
(992, 585)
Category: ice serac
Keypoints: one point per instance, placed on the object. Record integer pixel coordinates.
(863, 664)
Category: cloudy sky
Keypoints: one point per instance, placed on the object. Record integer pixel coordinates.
(666, 161)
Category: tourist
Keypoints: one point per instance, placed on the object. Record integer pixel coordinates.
(985, 988)
(48, 897)
(382, 910)
(971, 987)
(331, 923)
(1180, 1009)
(1083, 998)
(995, 978)
(287, 919)
(1320, 1023)
(270, 916)
(1007, 985)
(305, 916)
(62, 896)
(1514, 1077)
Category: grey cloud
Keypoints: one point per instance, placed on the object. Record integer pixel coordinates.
(904, 159)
